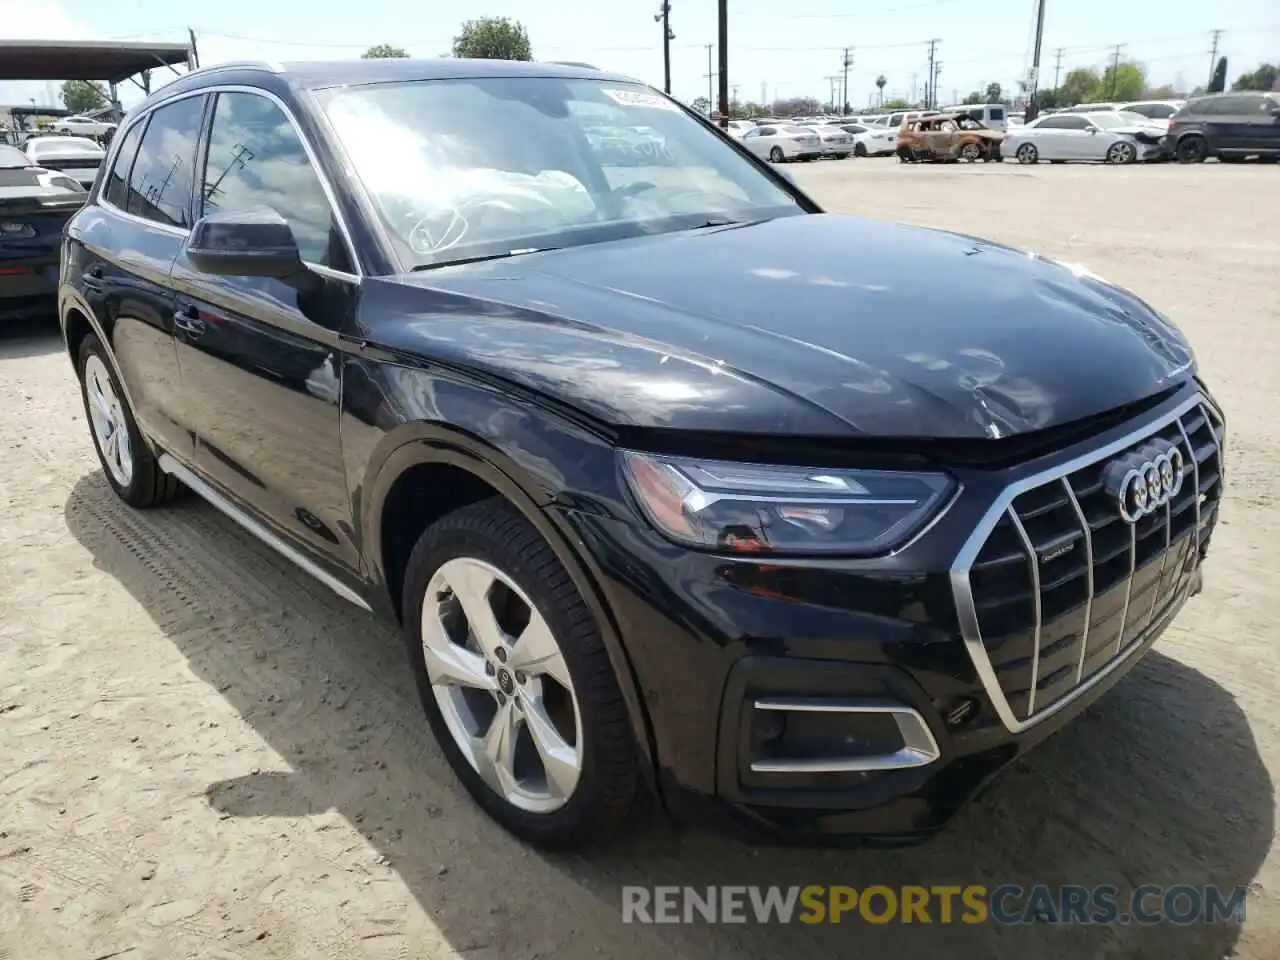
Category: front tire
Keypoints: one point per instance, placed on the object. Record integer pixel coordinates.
(1121, 152)
(860, 150)
(515, 679)
(128, 463)
(776, 155)
(971, 152)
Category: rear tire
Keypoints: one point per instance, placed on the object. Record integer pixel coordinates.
(128, 463)
(1027, 153)
(1192, 148)
(600, 765)
(776, 155)
(971, 152)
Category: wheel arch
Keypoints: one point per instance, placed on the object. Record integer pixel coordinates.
(418, 454)
(78, 320)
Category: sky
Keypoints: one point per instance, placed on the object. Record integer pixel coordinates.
(778, 49)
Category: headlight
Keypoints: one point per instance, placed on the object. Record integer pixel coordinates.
(749, 508)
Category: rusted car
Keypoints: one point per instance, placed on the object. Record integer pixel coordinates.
(948, 137)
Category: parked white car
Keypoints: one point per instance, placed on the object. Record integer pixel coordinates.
(837, 142)
(77, 157)
(738, 128)
(783, 142)
(1105, 136)
(869, 141)
(83, 127)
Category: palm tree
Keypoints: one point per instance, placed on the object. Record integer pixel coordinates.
(880, 82)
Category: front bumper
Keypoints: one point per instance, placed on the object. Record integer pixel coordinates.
(871, 699)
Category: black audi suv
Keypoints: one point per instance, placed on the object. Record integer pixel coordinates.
(675, 482)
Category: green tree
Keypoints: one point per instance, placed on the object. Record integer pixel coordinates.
(896, 104)
(1219, 81)
(81, 96)
(994, 93)
(384, 51)
(1126, 82)
(493, 38)
(1080, 86)
(700, 105)
(880, 82)
(1264, 78)
(1050, 99)
(974, 97)
(1163, 92)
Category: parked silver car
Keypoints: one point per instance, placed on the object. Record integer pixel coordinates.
(1105, 136)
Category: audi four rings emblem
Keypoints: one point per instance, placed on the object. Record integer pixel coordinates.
(1145, 480)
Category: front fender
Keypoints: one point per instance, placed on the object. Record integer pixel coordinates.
(397, 417)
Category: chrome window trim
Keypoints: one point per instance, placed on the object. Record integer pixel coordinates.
(962, 591)
(330, 195)
(919, 748)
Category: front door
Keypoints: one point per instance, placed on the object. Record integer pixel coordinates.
(260, 358)
(126, 245)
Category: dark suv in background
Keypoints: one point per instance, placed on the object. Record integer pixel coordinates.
(670, 477)
(1228, 126)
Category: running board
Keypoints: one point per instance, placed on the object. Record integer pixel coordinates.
(172, 467)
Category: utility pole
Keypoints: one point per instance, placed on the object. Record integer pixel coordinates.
(723, 8)
(764, 93)
(1115, 66)
(1213, 57)
(1057, 66)
(663, 16)
(711, 78)
(928, 84)
(914, 79)
(937, 72)
(846, 61)
(1033, 83)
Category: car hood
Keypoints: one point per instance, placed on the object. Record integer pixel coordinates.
(814, 324)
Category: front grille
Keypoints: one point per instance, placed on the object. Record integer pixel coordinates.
(1061, 587)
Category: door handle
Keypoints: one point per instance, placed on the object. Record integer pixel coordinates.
(188, 321)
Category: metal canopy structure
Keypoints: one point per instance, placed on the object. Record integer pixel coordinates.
(89, 60)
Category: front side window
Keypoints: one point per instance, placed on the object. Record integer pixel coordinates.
(160, 182)
(490, 166)
(997, 113)
(117, 188)
(1105, 121)
(256, 159)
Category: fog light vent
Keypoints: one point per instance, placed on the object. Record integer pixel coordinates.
(819, 735)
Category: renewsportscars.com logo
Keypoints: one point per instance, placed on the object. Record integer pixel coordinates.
(1069, 904)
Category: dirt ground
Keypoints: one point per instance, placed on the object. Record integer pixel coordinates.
(205, 754)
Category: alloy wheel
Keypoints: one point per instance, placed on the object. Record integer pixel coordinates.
(1121, 153)
(971, 152)
(1027, 153)
(776, 155)
(502, 685)
(106, 415)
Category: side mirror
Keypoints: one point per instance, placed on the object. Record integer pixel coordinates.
(1092, 129)
(251, 243)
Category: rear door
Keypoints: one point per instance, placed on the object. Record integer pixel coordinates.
(125, 245)
(259, 357)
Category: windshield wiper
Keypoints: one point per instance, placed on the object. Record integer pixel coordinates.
(480, 259)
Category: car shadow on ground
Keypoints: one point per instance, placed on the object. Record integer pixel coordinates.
(1160, 783)
(35, 336)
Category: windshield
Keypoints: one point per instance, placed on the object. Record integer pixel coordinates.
(468, 168)
(1130, 118)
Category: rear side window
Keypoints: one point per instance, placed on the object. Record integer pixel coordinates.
(117, 188)
(1233, 105)
(997, 113)
(162, 176)
(256, 159)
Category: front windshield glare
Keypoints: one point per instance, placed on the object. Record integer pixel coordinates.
(490, 166)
